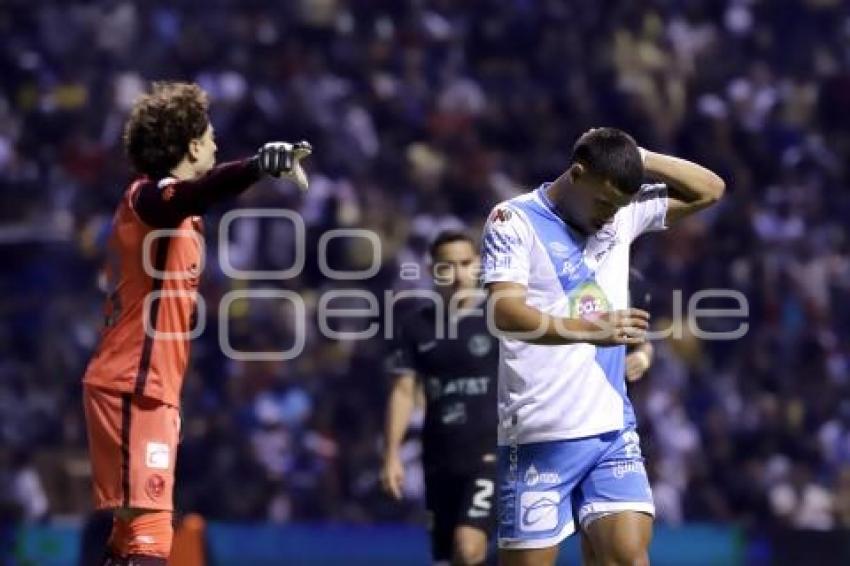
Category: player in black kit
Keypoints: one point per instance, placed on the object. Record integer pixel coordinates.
(457, 373)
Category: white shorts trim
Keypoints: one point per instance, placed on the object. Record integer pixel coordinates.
(518, 543)
(604, 508)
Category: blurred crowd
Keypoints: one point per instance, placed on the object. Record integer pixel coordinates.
(423, 115)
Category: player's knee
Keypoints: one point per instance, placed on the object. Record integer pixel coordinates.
(621, 539)
(528, 556)
(142, 533)
(637, 559)
(629, 551)
(469, 550)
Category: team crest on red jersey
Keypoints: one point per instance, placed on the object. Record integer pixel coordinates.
(155, 486)
(501, 215)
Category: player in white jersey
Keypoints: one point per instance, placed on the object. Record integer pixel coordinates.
(556, 264)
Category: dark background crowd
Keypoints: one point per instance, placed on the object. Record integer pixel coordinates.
(423, 115)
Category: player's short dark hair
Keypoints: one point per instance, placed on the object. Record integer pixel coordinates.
(161, 125)
(613, 155)
(448, 237)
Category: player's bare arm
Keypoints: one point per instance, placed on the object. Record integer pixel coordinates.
(513, 316)
(399, 409)
(691, 187)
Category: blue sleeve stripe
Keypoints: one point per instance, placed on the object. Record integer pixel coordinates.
(491, 245)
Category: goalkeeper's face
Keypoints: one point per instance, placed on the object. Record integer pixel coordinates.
(202, 151)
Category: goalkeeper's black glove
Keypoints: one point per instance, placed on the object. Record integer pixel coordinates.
(283, 159)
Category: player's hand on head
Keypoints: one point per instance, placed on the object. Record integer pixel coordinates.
(283, 159)
(622, 327)
(392, 476)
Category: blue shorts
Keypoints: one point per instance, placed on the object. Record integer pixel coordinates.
(544, 486)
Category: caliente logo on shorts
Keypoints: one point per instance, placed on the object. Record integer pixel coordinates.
(539, 510)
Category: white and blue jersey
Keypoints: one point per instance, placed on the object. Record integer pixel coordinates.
(550, 396)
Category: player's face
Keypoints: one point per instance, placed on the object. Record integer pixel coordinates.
(456, 267)
(594, 200)
(203, 151)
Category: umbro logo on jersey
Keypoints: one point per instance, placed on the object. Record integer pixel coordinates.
(426, 346)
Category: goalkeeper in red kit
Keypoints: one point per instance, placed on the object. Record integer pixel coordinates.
(131, 388)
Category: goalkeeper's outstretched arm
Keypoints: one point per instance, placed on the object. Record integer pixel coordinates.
(167, 202)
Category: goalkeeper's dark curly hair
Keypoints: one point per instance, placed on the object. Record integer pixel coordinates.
(161, 124)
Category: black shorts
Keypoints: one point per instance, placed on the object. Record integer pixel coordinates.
(455, 499)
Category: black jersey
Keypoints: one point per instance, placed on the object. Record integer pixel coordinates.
(458, 373)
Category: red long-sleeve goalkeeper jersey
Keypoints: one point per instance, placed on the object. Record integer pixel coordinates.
(154, 260)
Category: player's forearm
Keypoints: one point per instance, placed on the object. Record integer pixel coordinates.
(525, 323)
(168, 205)
(399, 410)
(692, 182)
(224, 181)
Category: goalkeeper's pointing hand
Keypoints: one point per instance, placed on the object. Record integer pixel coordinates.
(283, 159)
